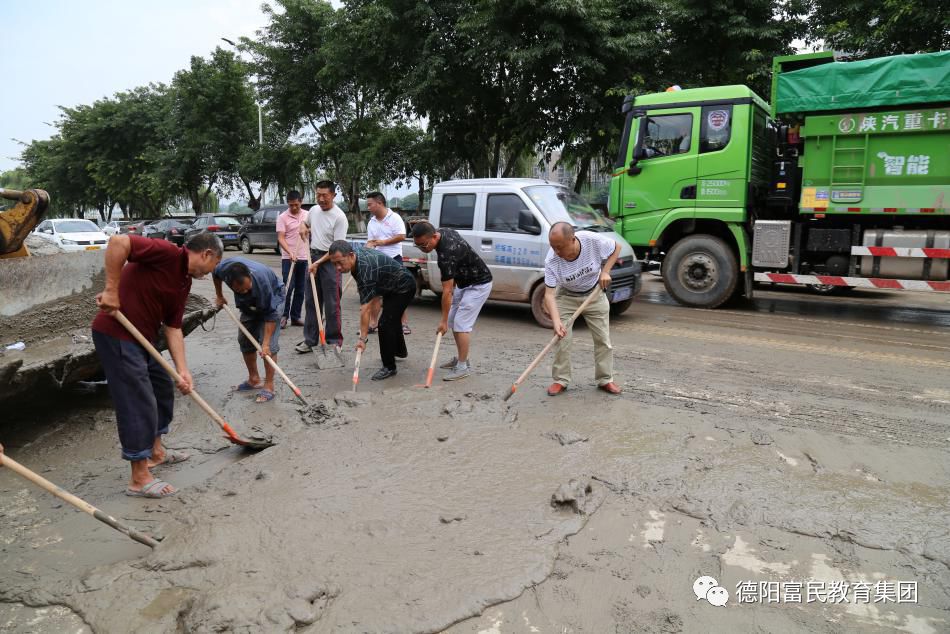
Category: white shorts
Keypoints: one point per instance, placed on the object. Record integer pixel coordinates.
(466, 304)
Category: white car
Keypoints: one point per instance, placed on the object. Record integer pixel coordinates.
(114, 227)
(73, 234)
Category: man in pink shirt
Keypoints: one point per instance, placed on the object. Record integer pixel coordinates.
(293, 253)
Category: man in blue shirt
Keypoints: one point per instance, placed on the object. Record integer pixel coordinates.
(259, 295)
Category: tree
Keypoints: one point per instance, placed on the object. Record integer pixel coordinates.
(318, 74)
(483, 74)
(213, 119)
(16, 178)
(874, 28)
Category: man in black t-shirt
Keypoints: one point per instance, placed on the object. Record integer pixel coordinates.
(466, 285)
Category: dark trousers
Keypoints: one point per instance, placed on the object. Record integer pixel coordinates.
(329, 290)
(295, 294)
(392, 343)
(142, 392)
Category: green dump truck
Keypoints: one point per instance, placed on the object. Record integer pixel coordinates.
(844, 181)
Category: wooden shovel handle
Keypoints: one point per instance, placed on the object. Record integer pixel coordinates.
(316, 300)
(79, 503)
(435, 355)
(580, 309)
(267, 358)
(356, 369)
(173, 373)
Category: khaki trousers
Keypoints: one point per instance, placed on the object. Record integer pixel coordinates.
(597, 316)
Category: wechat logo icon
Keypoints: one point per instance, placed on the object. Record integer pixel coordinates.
(709, 589)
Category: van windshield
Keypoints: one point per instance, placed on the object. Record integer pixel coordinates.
(559, 204)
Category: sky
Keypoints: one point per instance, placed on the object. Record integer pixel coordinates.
(66, 53)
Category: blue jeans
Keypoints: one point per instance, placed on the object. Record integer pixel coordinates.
(293, 303)
(142, 392)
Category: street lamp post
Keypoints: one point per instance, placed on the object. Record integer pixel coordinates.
(257, 100)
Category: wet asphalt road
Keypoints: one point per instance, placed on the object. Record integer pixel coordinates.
(872, 366)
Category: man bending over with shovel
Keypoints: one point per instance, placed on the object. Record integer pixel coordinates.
(259, 295)
(577, 264)
(378, 275)
(149, 280)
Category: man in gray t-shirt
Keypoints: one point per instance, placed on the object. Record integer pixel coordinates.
(578, 263)
(324, 223)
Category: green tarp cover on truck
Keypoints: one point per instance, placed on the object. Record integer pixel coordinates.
(885, 81)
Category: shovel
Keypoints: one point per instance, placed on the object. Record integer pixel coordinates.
(79, 503)
(567, 324)
(230, 434)
(268, 358)
(324, 360)
(356, 370)
(435, 355)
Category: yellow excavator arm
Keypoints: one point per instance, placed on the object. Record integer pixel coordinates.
(17, 223)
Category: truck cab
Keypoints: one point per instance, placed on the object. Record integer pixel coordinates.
(836, 184)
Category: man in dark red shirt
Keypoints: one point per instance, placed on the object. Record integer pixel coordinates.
(149, 281)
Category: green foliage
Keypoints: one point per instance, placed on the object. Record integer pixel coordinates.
(872, 28)
(410, 202)
(16, 178)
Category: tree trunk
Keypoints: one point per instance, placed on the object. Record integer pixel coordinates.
(422, 192)
(583, 174)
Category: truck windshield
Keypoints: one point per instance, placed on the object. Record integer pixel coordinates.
(559, 204)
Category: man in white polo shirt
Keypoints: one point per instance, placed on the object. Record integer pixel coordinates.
(385, 232)
(577, 264)
(324, 224)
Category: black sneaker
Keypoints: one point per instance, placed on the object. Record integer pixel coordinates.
(383, 373)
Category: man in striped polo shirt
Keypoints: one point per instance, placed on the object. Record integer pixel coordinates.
(577, 264)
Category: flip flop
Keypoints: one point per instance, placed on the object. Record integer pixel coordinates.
(245, 387)
(173, 456)
(264, 396)
(152, 490)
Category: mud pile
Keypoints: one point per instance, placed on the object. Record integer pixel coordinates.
(353, 527)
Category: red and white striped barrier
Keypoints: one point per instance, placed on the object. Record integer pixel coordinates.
(901, 252)
(857, 282)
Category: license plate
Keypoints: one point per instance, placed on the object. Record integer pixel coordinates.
(621, 294)
(230, 236)
(96, 248)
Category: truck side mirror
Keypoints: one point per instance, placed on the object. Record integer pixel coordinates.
(528, 223)
(633, 169)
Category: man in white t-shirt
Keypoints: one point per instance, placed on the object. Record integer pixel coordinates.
(324, 224)
(577, 264)
(385, 232)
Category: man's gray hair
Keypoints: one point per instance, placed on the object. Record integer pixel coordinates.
(562, 228)
(205, 240)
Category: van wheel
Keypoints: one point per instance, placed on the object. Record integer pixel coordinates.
(537, 307)
(246, 245)
(700, 271)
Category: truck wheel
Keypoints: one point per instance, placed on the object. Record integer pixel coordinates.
(246, 245)
(620, 308)
(537, 307)
(700, 271)
(828, 289)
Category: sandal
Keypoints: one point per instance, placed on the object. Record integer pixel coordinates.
(245, 387)
(406, 330)
(264, 396)
(152, 490)
(172, 456)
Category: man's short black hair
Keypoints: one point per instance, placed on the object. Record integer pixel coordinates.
(340, 246)
(203, 241)
(293, 194)
(422, 230)
(235, 273)
(377, 196)
(326, 184)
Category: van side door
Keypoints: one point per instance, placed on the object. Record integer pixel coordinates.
(513, 236)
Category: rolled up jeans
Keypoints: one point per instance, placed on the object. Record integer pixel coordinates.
(597, 316)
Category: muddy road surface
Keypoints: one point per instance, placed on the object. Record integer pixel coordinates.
(793, 449)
